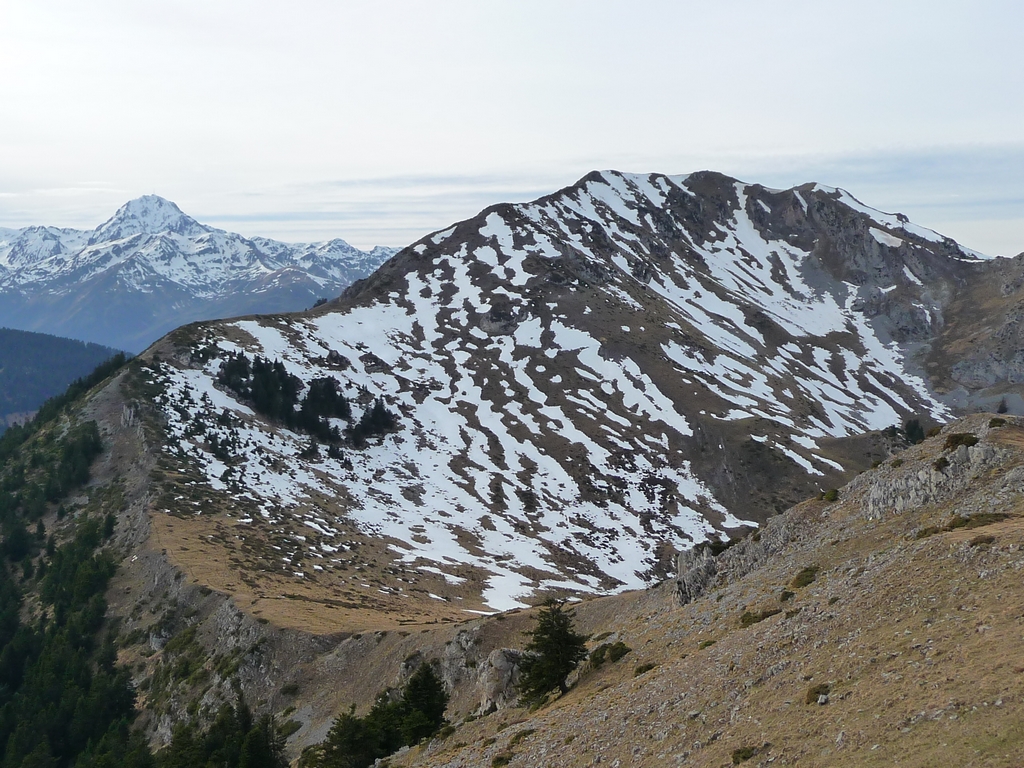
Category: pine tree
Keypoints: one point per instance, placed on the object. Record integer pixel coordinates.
(424, 700)
(914, 431)
(554, 651)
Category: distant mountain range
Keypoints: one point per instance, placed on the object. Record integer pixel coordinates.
(36, 366)
(151, 268)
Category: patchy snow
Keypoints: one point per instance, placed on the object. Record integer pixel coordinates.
(911, 276)
(530, 450)
(885, 238)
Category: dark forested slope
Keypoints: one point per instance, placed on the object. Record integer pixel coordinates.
(37, 366)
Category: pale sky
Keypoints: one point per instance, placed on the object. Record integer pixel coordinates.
(381, 121)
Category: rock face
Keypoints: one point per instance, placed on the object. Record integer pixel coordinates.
(699, 570)
(979, 349)
(151, 268)
(929, 484)
(499, 677)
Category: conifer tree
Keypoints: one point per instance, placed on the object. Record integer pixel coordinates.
(914, 431)
(554, 651)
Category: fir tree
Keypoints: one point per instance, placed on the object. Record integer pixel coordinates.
(914, 431)
(554, 651)
(424, 701)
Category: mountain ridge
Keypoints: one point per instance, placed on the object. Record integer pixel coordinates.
(150, 268)
(584, 384)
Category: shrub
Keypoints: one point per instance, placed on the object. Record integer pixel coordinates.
(956, 439)
(617, 650)
(742, 754)
(940, 464)
(749, 619)
(502, 758)
(832, 494)
(981, 541)
(897, 462)
(706, 644)
(716, 546)
(642, 668)
(914, 431)
(521, 735)
(805, 577)
(815, 692)
(786, 595)
(290, 689)
(933, 432)
(608, 652)
(975, 521)
(289, 728)
(996, 422)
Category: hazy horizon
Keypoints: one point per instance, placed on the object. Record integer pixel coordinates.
(381, 122)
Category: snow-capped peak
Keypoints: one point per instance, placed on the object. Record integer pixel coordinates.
(151, 267)
(147, 215)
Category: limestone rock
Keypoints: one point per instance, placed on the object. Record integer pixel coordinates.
(499, 676)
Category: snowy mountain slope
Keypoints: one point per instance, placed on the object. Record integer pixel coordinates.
(585, 384)
(151, 268)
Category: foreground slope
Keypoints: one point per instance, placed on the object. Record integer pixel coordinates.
(911, 618)
(901, 649)
(150, 268)
(583, 386)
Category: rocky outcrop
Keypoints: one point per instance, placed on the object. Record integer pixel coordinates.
(933, 475)
(699, 569)
(927, 484)
(988, 370)
(460, 658)
(499, 677)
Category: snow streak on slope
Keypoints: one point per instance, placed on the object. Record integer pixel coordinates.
(566, 373)
(433, 487)
(835, 358)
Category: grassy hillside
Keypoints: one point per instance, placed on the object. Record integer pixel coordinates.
(880, 628)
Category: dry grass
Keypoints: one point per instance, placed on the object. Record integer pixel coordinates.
(920, 655)
(211, 554)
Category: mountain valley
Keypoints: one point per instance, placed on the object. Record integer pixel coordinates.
(35, 367)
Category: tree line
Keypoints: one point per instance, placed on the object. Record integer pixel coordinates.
(274, 393)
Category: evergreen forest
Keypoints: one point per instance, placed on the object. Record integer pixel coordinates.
(38, 366)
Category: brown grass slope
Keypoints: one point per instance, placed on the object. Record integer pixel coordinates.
(910, 636)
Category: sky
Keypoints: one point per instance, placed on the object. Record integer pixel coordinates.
(382, 121)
